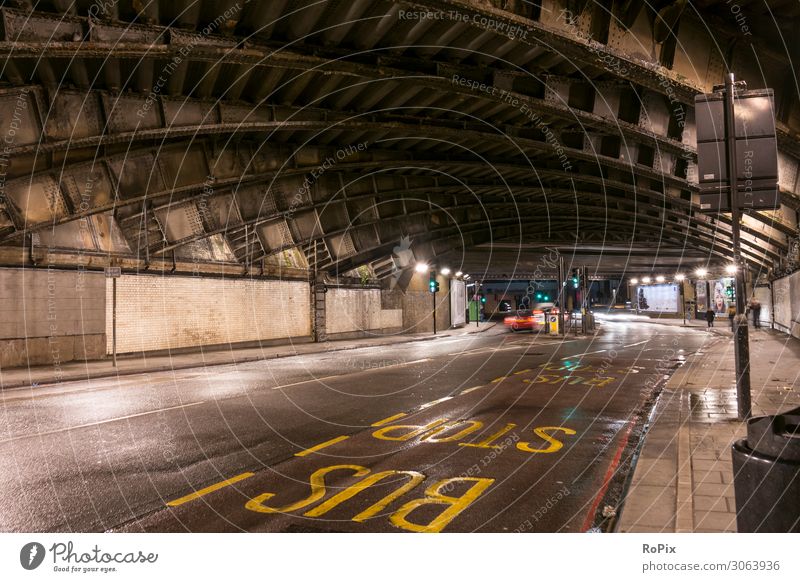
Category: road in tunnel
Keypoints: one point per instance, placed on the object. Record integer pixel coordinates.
(556, 418)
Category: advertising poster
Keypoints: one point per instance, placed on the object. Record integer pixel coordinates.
(458, 302)
(701, 296)
(658, 298)
(719, 301)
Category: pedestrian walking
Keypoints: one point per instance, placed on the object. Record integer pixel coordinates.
(710, 317)
(755, 308)
(732, 314)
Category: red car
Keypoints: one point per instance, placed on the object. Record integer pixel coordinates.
(530, 320)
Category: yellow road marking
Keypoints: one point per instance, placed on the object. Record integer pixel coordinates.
(525, 371)
(435, 402)
(468, 390)
(389, 419)
(321, 446)
(210, 489)
(500, 379)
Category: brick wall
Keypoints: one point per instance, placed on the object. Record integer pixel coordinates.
(48, 316)
(353, 311)
(165, 312)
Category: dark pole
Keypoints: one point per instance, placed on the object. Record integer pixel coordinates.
(477, 305)
(683, 302)
(114, 318)
(584, 299)
(433, 294)
(562, 300)
(741, 340)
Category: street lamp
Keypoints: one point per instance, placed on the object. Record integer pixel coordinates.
(459, 273)
(680, 277)
(645, 280)
(634, 281)
(445, 271)
(421, 268)
(730, 269)
(660, 279)
(701, 272)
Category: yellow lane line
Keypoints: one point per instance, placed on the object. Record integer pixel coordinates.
(210, 489)
(523, 371)
(321, 446)
(389, 419)
(468, 390)
(500, 379)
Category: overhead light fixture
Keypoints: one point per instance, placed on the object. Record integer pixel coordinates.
(421, 268)
(645, 280)
(445, 271)
(466, 276)
(634, 281)
(701, 272)
(680, 277)
(660, 279)
(459, 273)
(730, 269)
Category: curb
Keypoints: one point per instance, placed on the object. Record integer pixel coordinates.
(16, 384)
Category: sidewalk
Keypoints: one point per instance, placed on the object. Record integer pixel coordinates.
(683, 480)
(141, 363)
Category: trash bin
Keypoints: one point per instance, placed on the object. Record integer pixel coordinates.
(766, 474)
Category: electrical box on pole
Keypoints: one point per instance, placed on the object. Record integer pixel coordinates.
(756, 151)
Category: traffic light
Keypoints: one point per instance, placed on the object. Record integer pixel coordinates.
(729, 291)
(575, 277)
(539, 296)
(483, 298)
(433, 284)
(546, 298)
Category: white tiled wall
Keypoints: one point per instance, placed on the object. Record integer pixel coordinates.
(167, 312)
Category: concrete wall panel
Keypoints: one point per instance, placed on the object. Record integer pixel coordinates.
(48, 317)
(358, 310)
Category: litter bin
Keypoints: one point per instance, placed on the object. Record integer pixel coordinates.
(766, 469)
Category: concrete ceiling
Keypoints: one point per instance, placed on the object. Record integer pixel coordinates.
(283, 136)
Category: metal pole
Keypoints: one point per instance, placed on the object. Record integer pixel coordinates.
(741, 339)
(584, 300)
(683, 302)
(434, 311)
(477, 305)
(114, 319)
(562, 300)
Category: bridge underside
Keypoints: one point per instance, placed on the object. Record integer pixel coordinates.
(287, 137)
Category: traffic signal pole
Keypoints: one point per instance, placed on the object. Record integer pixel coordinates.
(740, 330)
(562, 296)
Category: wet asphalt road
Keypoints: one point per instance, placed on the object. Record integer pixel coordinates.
(487, 432)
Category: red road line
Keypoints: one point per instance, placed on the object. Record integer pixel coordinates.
(587, 523)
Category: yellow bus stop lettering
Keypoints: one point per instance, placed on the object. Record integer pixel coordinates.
(487, 442)
(365, 483)
(432, 437)
(387, 433)
(541, 432)
(318, 491)
(433, 496)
